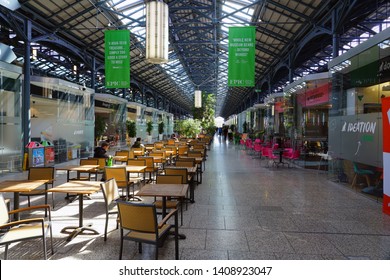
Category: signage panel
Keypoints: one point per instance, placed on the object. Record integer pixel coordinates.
(117, 58)
(242, 42)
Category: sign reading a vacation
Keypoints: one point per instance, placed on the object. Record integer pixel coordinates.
(241, 71)
(117, 58)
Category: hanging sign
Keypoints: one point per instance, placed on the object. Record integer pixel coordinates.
(386, 154)
(241, 71)
(117, 58)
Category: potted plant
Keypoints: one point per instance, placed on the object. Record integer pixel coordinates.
(131, 130)
(149, 129)
(160, 130)
(100, 128)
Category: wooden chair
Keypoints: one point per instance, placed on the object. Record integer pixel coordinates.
(122, 153)
(138, 162)
(170, 204)
(138, 222)
(102, 163)
(122, 179)
(187, 179)
(86, 176)
(40, 173)
(111, 195)
(151, 168)
(26, 229)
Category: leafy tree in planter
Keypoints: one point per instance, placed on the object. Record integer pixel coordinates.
(100, 128)
(161, 127)
(131, 128)
(149, 127)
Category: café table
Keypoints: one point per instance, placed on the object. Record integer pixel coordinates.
(164, 191)
(79, 169)
(18, 186)
(192, 171)
(79, 188)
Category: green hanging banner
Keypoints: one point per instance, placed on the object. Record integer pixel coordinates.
(242, 41)
(117, 58)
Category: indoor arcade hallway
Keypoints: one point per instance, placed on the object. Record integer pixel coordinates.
(242, 210)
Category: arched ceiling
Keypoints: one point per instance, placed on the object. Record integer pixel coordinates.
(296, 33)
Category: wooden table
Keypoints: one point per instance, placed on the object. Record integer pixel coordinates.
(79, 188)
(77, 168)
(163, 191)
(18, 186)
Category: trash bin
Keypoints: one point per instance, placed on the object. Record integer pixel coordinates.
(49, 153)
(36, 154)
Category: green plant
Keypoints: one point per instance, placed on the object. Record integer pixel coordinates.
(161, 126)
(188, 128)
(100, 127)
(131, 128)
(245, 127)
(149, 127)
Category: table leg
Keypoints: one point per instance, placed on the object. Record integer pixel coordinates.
(73, 231)
(16, 205)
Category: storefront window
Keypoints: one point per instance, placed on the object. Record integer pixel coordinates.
(11, 149)
(355, 125)
(65, 119)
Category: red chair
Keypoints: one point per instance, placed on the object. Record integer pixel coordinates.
(295, 156)
(267, 152)
(257, 148)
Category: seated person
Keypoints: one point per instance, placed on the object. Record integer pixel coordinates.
(101, 152)
(138, 143)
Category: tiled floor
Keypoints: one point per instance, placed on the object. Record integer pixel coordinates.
(243, 210)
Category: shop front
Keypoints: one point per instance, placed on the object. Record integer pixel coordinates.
(306, 115)
(11, 150)
(62, 118)
(361, 80)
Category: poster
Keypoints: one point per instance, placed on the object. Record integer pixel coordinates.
(241, 69)
(117, 58)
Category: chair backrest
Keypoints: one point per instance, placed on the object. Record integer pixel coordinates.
(178, 171)
(131, 154)
(101, 162)
(138, 217)
(136, 162)
(171, 142)
(158, 145)
(149, 161)
(88, 161)
(169, 179)
(296, 154)
(194, 154)
(4, 217)
(182, 150)
(187, 163)
(123, 153)
(41, 173)
(110, 191)
(118, 173)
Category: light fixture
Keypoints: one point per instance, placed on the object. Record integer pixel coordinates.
(198, 99)
(157, 32)
(34, 54)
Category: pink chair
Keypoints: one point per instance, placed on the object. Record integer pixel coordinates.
(257, 148)
(267, 153)
(295, 156)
